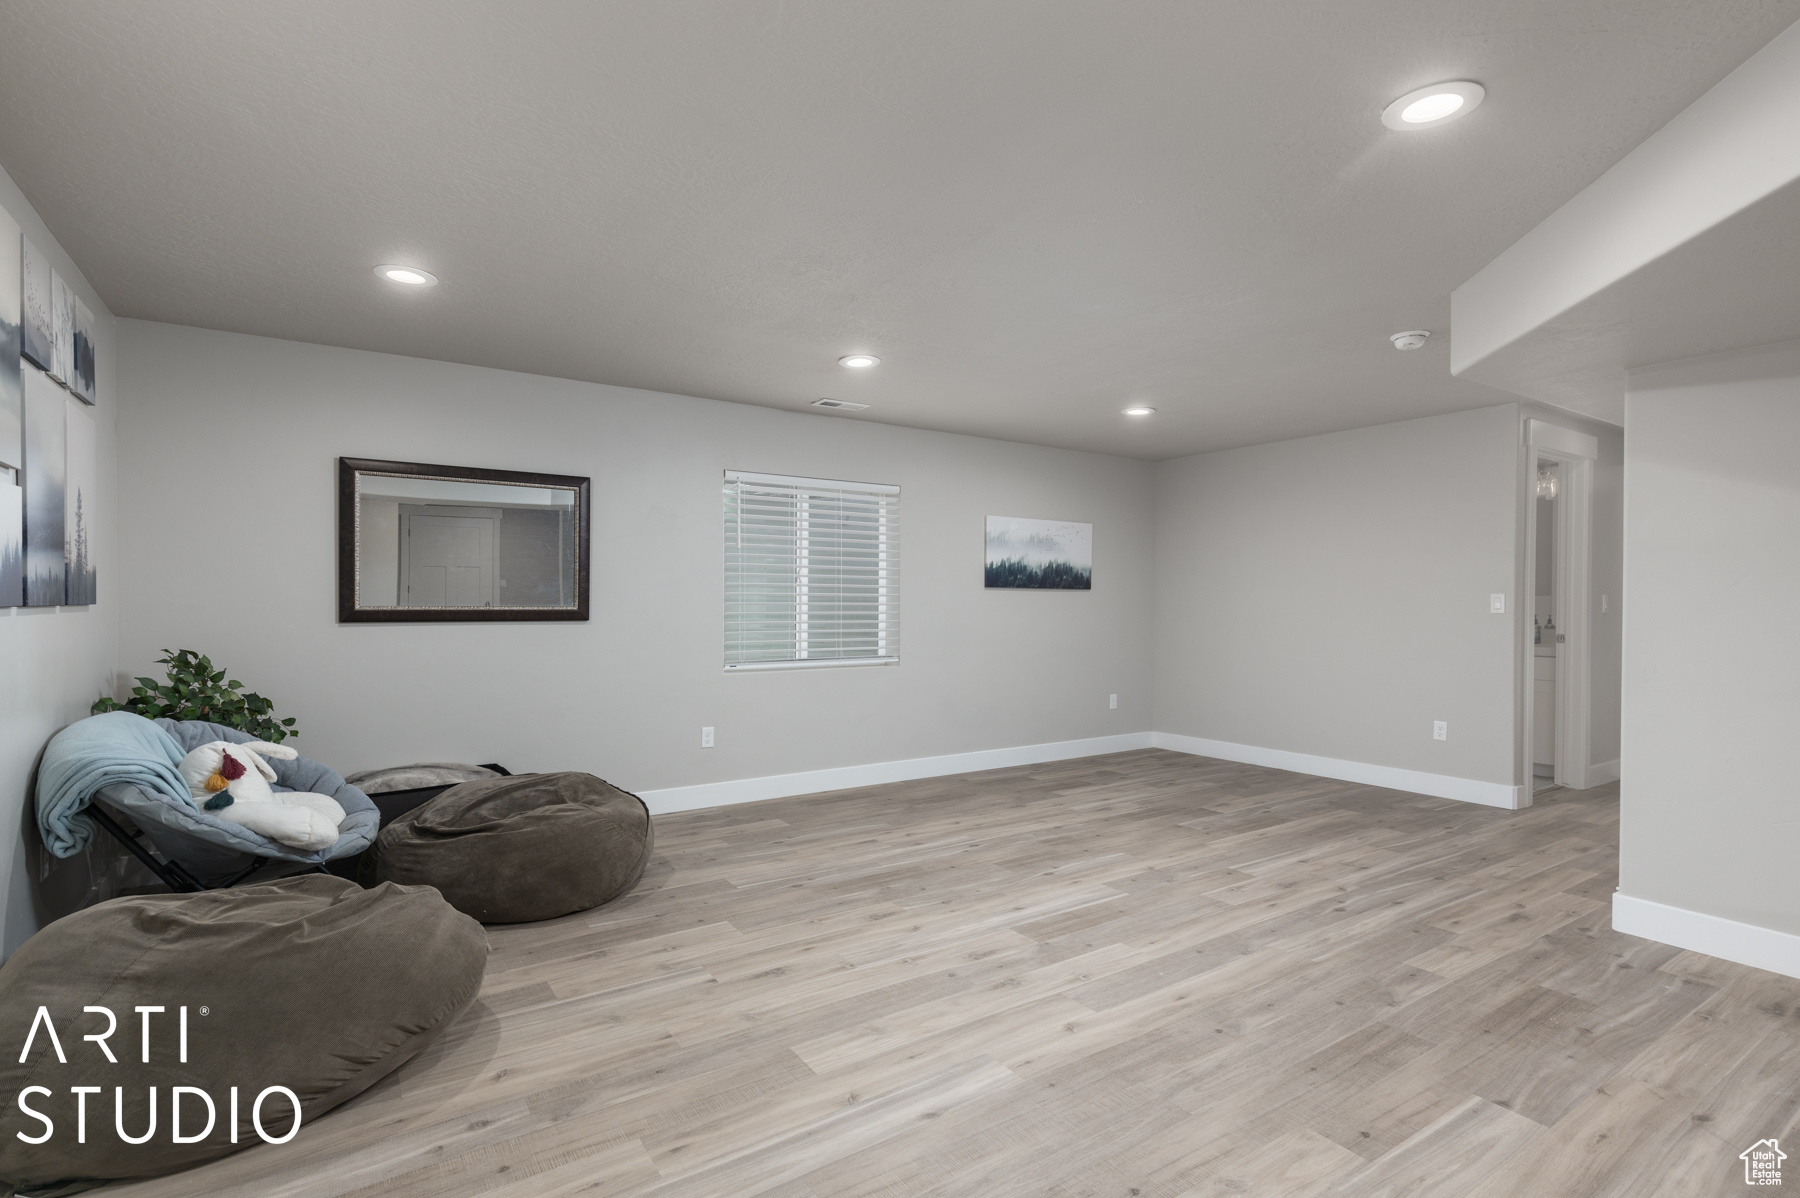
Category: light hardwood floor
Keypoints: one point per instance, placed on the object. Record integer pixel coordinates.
(1141, 974)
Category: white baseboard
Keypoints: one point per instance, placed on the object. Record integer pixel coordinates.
(781, 786)
(1602, 772)
(1716, 936)
(1444, 786)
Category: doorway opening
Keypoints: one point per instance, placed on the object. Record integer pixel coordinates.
(1558, 539)
(1544, 632)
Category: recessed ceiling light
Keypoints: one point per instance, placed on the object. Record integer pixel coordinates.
(1436, 105)
(412, 276)
(1139, 410)
(842, 404)
(859, 361)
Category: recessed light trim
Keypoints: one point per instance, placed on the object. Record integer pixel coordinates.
(859, 361)
(1138, 409)
(1429, 107)
(840, 405)
(410, 276)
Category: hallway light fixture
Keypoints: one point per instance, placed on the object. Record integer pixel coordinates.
(859, 361)
(1429, 107)
(412, 276)
(1139, 409)
(1411, 339)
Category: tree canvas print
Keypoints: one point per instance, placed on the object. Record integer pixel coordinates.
(46, 472)
(81, 382)
(78, 506)
(62, 330)
(11, 387)
(1044, 555)
(39, 345)
(12, 544)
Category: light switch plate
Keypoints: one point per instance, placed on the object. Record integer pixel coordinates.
(1497, 604)
(1113, 702)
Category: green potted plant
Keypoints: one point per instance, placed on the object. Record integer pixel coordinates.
(196, 691)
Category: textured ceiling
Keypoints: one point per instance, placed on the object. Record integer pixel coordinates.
(1034, 211)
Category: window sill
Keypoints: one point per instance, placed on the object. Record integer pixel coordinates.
(821, 663)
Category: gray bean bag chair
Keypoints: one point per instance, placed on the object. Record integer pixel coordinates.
(518, 849)
(417, 777)
(215, 849)
(310, 982)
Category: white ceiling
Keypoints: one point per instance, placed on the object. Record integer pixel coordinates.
(1684, 248)
(1034, 211)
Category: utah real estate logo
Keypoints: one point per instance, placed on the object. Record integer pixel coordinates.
(1762, 1163)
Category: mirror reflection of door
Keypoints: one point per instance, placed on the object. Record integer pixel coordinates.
(418, 542)
(449, 556)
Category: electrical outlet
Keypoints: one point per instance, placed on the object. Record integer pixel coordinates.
(1440, 730)
(1497, 604)
(706, 738)
(1112, 701)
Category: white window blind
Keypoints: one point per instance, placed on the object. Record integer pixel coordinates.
(811, 571)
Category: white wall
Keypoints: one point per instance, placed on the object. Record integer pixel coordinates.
(54, 662)
(1606, 578)
(1329, 595)
(230, 549)
(1712, 660)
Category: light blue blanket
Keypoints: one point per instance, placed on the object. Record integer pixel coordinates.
(118, 746)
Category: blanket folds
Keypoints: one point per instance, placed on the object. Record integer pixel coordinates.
(117, 746)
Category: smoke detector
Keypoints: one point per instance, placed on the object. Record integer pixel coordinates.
(839, 405)
(1411, 339)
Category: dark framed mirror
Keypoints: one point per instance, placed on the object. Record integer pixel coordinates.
(423, 543)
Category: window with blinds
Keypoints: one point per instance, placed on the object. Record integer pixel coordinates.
(811, 572)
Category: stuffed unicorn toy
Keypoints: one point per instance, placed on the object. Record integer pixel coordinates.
(232, 782)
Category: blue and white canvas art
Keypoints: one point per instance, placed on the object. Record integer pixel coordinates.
(12, 396)
(46, 474)
(38, 344)
(12, 544)
(81, 379)
(1042, 555)
(62, 332)
(78, 506)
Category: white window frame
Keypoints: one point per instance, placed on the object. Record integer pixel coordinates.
(886, 571)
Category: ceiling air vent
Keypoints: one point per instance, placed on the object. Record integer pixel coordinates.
(839, 405)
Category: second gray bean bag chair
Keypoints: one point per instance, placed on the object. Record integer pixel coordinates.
(311, 983)
(518, 849)
(417, 777)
